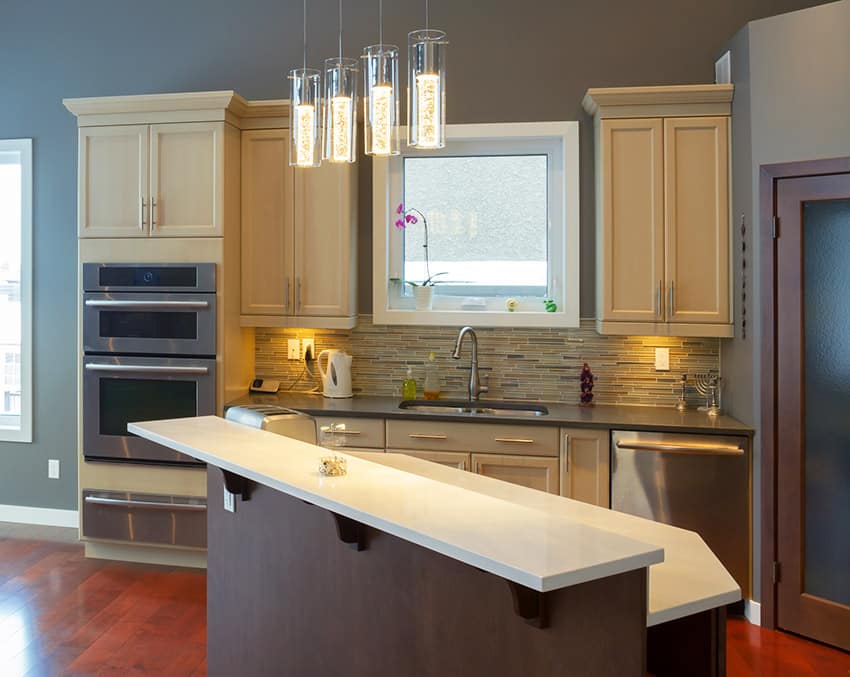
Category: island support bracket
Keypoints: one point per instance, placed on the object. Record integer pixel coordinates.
(530, 605)
(350, 532)
(236, 484)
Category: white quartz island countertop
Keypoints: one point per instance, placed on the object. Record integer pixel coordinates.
(538, 540)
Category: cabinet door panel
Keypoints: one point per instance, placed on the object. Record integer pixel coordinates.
(187, 179)
(533, 472)
(585, 465)
(325, 241)
(696, 159)
(267, 221)
(113, 174)
(632, 220)
(452, 459)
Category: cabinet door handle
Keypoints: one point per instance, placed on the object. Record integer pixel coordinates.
(142, 206)
(672, 300)
(297, 294)
(658, 309)
(515, 440)
(566, 454)
(286, 303)
(423, 436)
(153, 212)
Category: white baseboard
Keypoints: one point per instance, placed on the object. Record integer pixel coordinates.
(752, 611)
(51, 517)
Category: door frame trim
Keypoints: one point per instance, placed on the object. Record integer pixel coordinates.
(768, 177)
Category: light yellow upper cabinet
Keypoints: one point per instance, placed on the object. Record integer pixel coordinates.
(325, 241)
(585, 465)
(631, 218)
(267, 223)
(663, 223)
(187, 179)
(696, 196)
(299, 238)
(113, 181)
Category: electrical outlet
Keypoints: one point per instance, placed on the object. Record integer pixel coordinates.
(662, 359)
(293, 349)
(229, 501)
(308, 344)
(53, 469)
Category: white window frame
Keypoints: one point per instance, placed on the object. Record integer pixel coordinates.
(563, 263)
(23, 147)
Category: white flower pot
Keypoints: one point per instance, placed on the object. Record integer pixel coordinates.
(423, 297)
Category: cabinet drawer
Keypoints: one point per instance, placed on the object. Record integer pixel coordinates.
(492, 438)
(452, 459)
(367, 433)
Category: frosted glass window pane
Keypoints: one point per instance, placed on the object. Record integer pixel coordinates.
(10, 292)
(487, 223)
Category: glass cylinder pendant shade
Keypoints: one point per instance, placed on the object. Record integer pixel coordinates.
(426, 89)
(306, 116)
(380, 100)
(340, 130)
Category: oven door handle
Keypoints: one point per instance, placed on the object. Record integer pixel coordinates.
(146, 368)
(111, 303)
(159, 505)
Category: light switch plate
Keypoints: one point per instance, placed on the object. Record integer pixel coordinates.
(293, 349)
(662, 359)
(229, 501)
(53, 468)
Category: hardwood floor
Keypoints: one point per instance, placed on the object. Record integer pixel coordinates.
(63, 614)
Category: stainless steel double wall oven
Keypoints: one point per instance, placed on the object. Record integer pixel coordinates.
(149, 353)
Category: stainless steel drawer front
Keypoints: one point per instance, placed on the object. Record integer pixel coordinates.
(145, 518)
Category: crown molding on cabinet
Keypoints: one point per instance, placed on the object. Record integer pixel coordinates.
(218, 106)
(659, 101)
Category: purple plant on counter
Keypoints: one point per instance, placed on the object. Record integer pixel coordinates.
(586, 385)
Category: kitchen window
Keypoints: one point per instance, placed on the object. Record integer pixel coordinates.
(502, 211)
(16, 290)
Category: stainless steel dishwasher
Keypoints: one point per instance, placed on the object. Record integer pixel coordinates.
(697, 482)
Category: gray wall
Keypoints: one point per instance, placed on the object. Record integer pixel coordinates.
(509, 61)
(792, 103)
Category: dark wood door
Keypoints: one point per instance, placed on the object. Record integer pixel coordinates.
(813, 406)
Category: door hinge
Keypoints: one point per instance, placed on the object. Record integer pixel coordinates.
(776, 572)
(775, 227)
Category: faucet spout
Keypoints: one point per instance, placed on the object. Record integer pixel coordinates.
(475, 387)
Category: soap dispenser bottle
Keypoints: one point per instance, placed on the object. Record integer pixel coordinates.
(408, 386)
(432, 379)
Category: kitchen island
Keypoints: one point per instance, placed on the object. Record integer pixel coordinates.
(402, 567)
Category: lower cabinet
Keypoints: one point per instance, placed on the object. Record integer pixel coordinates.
(585, 465)
(452, 459)
(534, 472)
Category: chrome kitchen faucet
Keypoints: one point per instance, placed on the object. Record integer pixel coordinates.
(475, 387)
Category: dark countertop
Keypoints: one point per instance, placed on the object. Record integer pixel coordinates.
(598, 416)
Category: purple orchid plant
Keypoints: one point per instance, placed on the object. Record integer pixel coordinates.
(409, 216)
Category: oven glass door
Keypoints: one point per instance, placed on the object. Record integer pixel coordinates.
(173, 324)
(122, 390)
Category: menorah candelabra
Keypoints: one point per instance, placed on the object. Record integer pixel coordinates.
(708, 385)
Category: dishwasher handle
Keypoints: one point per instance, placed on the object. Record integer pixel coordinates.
(688, 449)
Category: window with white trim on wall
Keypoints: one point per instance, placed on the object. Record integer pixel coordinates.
(501, 205)
(16, 290)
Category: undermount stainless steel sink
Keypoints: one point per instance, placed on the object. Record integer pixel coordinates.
(479, 408)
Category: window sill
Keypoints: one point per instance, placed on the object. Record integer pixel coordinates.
(476, 318)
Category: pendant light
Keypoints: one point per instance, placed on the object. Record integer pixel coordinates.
(426, 87)
(340, 131)
(305, 89)
(380, 95)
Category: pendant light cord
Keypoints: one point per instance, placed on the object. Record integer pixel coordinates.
(340, 31)
(427, 14)
(380, 22)
(304, 63)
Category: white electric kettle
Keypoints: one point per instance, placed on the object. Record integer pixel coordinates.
(336, 377)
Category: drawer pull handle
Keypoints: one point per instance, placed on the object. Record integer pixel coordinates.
(156, 505)
(423, 436)
(346, 432)
(515, 440)
(695, 449)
